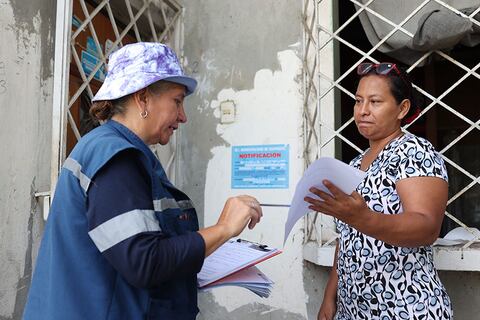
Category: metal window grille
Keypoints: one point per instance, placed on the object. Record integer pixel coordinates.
(327, 131)
(87, 32)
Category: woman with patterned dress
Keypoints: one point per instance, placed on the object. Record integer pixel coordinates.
(384, 262)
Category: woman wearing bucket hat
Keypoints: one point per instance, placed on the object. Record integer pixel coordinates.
(121, 241)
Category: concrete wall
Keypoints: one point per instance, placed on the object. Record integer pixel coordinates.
(249, 52)
(464, 291)
(26, 52)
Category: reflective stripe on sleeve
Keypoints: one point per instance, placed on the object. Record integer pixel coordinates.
(185, 204)
(164, 204)
(169, 203)
(123, 227)
(76, 169)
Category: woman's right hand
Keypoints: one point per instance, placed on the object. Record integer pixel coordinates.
(238, 212)
(327, 309)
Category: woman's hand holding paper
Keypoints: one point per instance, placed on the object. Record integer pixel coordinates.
(350, 209)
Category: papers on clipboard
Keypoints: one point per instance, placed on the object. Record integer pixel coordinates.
(233, 264)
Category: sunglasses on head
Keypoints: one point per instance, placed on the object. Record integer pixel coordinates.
(383, 68)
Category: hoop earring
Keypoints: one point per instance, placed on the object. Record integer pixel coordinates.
(144, 114)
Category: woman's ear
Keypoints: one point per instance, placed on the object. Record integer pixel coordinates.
(140, 99)
(404, 108)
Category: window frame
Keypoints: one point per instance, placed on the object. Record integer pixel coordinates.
(321, 66)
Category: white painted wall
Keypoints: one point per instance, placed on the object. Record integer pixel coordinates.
(270, 113)
(248, 52)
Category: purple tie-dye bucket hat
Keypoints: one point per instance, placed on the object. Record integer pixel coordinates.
(138, 65)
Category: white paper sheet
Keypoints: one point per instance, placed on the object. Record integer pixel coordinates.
(345, 177)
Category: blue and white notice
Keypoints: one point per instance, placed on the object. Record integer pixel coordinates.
(260, 166)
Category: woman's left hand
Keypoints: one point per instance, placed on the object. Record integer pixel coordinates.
(350, 209)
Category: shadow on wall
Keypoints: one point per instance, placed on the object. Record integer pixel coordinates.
(465, 299)
(314, 281)
(252, 311)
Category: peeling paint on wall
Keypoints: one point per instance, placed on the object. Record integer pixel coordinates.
(206, 85)
(35, 18)
(25, 118)
(270, 113)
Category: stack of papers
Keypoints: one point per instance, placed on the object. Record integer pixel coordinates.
(251, 278)
(232, 264)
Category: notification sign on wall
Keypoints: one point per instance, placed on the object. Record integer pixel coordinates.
(260, 167)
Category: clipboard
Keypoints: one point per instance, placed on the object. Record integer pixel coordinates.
(233, 256)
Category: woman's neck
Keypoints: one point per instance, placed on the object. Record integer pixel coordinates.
(377, 145)
(133, 125)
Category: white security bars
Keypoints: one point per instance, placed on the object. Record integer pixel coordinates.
(328, 88)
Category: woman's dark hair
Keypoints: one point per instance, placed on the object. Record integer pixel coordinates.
(401, 89)
(106, 109)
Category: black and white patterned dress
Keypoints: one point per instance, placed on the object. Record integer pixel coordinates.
(377, 280)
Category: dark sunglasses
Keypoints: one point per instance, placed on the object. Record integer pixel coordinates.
(383, 68)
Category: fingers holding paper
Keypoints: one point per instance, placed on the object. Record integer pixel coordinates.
(348, 208)
(239, 212)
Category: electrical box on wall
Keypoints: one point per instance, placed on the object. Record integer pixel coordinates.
(227, 111)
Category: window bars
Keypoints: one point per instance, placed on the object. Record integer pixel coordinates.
(324, 130)
(87, 32)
